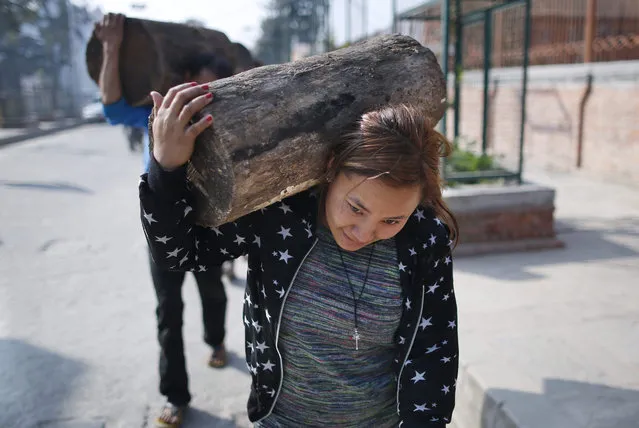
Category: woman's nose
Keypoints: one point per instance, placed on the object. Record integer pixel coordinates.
(363, 233)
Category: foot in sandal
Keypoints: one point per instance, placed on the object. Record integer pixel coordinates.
(218, 357)
(171, 416)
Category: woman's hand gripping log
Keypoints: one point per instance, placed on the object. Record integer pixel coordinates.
(173, 133)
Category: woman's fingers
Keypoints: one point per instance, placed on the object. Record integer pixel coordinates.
(193, 107)
(118, 21)
(170, 95)
(183, 97)
(157, 101)
(173, 138)
(196, 129)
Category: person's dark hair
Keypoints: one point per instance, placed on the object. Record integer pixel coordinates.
(400, 145)
(194, 64)
(243, 58)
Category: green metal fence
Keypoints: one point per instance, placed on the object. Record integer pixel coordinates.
(462, 24)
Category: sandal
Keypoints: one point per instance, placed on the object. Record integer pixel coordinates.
(219, 358)
(171, 416)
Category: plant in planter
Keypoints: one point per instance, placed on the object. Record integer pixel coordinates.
(464, 159)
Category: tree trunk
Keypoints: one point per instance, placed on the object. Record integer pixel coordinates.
(153, 53)
(274, 126)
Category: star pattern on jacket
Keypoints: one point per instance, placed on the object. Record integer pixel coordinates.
(284, 256)
(285, 233)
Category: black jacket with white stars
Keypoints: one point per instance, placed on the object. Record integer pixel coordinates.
(277, 239)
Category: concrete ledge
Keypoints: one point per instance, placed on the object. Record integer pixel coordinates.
(497, 219)
(472, 199)
(475, 407)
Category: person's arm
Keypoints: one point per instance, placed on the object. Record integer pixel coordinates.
(110, 32)
(168, 219)
(427, 396)
(110, 85)
(116, 110)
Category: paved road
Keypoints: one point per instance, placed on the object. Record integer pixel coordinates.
(77, 334)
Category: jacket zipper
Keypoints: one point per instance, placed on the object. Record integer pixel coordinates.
(277, 333)
(410, 347)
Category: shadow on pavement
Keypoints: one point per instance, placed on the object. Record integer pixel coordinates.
(581, 404)
(622, 225)
(196, 418)
(63, 150)
(237, 361)
(583, 244)
(53, 186)
(35, 383)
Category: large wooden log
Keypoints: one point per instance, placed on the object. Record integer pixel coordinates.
(274, 126)
(153, 53)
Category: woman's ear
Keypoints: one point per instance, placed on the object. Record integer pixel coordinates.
(331, 161)
(329, 168)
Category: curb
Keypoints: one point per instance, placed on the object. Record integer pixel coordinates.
(477, 407)
(40, 133)
(505, 247)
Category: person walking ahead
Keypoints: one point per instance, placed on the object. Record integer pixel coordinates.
(199, 69)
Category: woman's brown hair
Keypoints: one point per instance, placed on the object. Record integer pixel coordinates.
(400, 145)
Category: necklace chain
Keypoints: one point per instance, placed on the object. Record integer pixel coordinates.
(356, 336)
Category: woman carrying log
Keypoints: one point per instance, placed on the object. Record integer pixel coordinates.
(349, 310)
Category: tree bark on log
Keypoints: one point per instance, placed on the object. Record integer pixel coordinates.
(153, 53)
(274, 126)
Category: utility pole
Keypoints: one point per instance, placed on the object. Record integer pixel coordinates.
(365, 18)
(590, 30)
(394, 5)
(70, 28)
(348, 20)
(327, 26)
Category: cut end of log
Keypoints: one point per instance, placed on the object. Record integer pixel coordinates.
(153, 53)
(211, 163)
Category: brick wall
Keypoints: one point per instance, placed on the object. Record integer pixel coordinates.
(610, 145)
(506, 225)
(503, 218)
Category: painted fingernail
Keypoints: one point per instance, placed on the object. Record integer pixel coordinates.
(209, 118)
(205, 87)
(193, 83)
(209, 95)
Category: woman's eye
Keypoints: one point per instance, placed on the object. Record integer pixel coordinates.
(355, 209)
(391, 221)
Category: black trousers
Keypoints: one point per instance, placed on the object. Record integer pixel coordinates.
(174, 383)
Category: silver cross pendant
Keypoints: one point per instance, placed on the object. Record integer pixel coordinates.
(356, 337)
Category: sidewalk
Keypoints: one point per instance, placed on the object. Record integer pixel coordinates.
(551, 339)
(15, 135)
